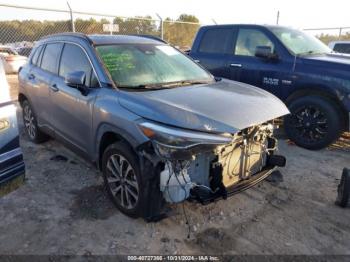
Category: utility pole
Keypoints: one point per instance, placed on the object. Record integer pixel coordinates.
(278, 17)
(161, 26)
(71, 17)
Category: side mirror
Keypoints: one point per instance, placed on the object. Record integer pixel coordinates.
(265, 52)
(76, 80)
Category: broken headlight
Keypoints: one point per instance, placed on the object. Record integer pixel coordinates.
(176, 143)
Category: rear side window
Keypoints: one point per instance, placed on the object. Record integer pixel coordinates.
(342, 48)
(74, 59)
(216, 41)
(35, 58)
(50, 57)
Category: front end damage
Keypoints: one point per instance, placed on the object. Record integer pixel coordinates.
(206, 169)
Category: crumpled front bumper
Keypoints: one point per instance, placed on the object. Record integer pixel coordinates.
(206, 197)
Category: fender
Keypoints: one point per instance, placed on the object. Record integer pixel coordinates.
(106, 127)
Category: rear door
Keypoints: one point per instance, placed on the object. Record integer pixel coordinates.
(214, 49)
(44, 67)
(71, 109)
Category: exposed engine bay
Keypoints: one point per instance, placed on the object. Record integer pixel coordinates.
(212, 173)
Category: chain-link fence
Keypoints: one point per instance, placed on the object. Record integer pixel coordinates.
(35, 23)
(328, 35)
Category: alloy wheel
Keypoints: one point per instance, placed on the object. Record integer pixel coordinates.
(122, 181)
(310, 123)
(29, 121)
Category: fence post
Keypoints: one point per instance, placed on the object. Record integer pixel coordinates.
(340, 31)
(71, 17)
(161, 26)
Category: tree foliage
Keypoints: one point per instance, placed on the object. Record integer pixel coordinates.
(181, 32)
(327, 38)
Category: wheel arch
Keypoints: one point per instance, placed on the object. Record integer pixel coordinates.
(107, 135)
(21, 98)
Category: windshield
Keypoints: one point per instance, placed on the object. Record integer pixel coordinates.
(144, 65)
(298, 42)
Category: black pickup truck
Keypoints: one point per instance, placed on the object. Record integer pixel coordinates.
(294, 66)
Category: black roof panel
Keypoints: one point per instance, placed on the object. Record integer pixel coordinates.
(106, 39)
(122, 39)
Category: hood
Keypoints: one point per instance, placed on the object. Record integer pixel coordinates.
(336, 59)
(220, 107)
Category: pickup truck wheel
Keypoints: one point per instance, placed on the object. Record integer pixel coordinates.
(121, 175)
(30, 124)
(314, 123)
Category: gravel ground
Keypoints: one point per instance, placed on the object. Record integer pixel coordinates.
(63, 209)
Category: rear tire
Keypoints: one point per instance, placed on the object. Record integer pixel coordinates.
(314, 123)
(31, 125)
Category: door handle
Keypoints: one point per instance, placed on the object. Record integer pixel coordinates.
(236, 65)
(197, 61)
(54, 88)
(31, 76)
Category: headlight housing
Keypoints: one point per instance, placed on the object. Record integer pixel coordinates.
(176, 143)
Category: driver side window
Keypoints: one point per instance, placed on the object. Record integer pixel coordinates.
(248, 40)
(74, 59)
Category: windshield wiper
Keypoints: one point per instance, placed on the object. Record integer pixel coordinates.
(150, 87)
(310, 52)
(165, 85)
(185, 83)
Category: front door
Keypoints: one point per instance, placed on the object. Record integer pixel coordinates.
(71, 110)
(245, 67)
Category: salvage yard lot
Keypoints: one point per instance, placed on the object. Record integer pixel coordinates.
(63, 209)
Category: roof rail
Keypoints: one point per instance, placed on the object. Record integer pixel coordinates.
(73, 34)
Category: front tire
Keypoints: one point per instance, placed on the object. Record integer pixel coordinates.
(122, 179)
(314, 123)
(31, 124)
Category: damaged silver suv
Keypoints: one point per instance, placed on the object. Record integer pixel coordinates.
(159, 126)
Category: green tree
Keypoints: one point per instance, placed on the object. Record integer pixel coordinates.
(181, 31)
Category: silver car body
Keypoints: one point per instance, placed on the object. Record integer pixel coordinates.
(206, 110)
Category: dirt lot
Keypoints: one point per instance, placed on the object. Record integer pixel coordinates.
(62, 209)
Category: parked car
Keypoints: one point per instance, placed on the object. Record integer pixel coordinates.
(158, 125)
(340, 46)
(25, 51)
(11, 159)
(294, 66)
(11, 60)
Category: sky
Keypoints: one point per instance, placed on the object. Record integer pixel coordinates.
(295, 13)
